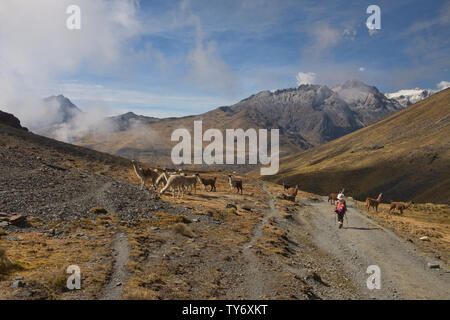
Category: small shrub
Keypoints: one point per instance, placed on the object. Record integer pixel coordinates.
(99, 210)
(57, 281)
(5, 263)
(182, 229)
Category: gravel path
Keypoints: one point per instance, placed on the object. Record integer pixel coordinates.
(255, 277)
(362, 242)
(121, 251)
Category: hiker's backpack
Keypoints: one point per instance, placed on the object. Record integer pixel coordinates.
(340, 207)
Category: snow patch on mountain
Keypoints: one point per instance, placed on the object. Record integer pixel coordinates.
(410, 96)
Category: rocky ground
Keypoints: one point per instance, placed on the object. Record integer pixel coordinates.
(34, 186)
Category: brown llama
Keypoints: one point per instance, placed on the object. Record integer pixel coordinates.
(370, 202)
(333, 197)
(286, 186)
(207, 182)
(234, 183)
(145, 174)
(292, 193)
(400, 206)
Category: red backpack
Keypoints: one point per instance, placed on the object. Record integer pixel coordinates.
(341, 207)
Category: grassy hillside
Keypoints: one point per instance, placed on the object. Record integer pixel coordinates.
(405, 156)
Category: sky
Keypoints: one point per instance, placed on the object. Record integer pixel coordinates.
(172, 58)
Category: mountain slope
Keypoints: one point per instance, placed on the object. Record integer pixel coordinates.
(10, 120)
(307, 116)
(405, 156)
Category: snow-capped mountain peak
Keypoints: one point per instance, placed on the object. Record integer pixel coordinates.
(410, 96)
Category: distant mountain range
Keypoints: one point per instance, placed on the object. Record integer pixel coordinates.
(406, 156)
(307, 116)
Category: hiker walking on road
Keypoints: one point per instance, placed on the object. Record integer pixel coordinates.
(341, 209)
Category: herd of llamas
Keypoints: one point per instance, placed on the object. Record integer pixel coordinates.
(178, 182)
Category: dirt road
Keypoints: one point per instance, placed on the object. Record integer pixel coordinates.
(362, 242)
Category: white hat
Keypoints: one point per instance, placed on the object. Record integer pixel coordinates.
(340, 196)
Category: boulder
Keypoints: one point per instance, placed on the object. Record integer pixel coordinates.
(17, 284)
(18, 220)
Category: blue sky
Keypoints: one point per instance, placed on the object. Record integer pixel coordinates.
(186, 57)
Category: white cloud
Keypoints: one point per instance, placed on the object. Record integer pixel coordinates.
(206, 68)
(37, 48)
(362, 69)
(306, 78)
(443, 85)
(115, 101)
(323, 37)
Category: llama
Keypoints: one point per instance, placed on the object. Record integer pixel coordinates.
(292, 193)
(145, 173)
(234, 183)
(370, 202)
(333, 196)
(163, 177)
(176, 182)
(286, 186)
(207, 182)
(400, 206)
(191, 183)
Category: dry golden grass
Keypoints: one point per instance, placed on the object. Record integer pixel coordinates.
(273, 241)
(138, 293)
(5, 264)
(44, 260)
(165, 279)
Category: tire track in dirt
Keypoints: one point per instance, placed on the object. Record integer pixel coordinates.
(113, 288)
(255, 279)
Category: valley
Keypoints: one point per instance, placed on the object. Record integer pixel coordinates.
(135, 244)
(215, 157)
